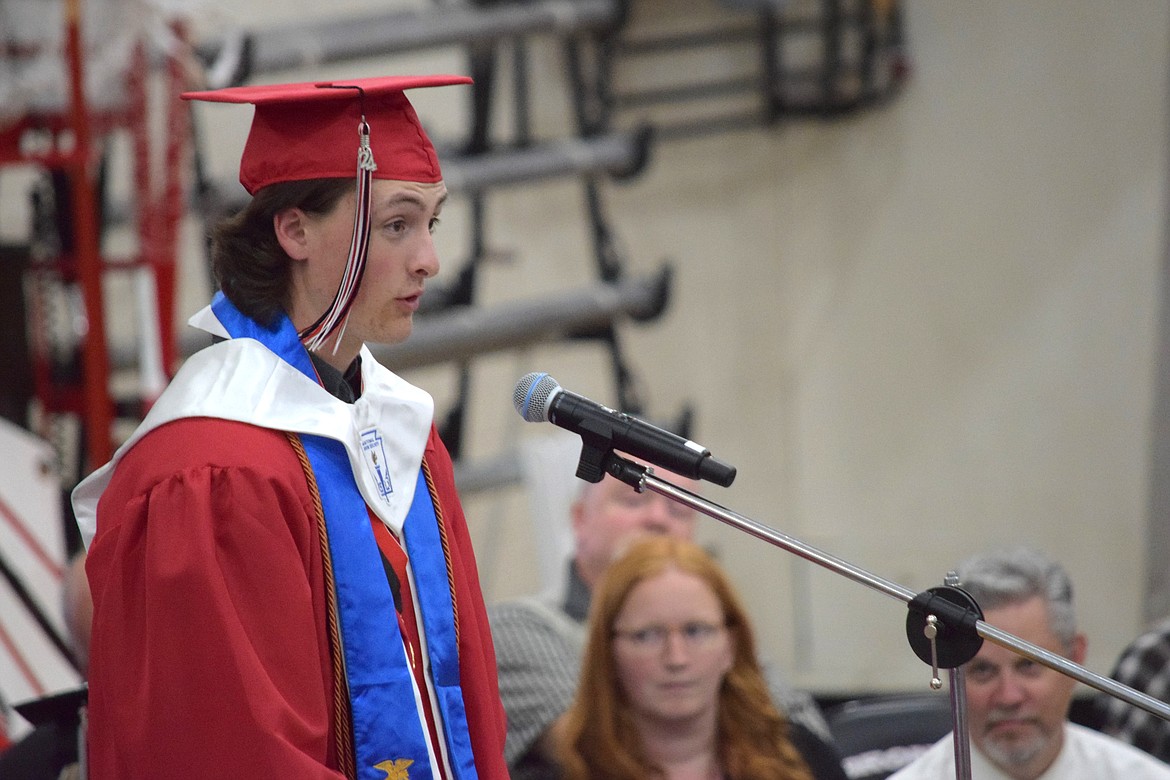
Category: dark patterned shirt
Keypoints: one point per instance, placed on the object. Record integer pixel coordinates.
(1143, 666)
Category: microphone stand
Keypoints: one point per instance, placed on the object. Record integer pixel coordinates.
(945, 626)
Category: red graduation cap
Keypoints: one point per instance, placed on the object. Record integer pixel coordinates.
(309, 130)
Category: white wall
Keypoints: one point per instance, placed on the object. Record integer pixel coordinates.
(919, 331)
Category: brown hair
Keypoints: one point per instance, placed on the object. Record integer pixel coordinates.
(601, 739)
(248, 262)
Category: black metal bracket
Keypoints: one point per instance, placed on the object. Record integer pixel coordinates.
(954, 613)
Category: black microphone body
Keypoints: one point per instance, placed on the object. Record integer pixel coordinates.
(538, 397)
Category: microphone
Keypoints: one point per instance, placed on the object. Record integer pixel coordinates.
(540, 398)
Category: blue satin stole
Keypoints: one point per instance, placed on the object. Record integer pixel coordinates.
(387, 727)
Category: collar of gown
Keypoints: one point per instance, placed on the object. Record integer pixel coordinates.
(384, 432)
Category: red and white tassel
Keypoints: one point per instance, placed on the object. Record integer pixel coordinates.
(337, 315)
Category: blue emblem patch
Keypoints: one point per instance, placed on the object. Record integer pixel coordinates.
(375, 455)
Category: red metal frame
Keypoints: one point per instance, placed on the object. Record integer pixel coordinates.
(67, 142)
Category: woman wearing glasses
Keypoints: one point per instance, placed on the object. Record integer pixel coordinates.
(670, 687)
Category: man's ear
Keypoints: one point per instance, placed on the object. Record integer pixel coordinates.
(1080, 649)
(289, 226)
(577, 513)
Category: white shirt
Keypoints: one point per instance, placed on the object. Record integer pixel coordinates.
(1086, 755)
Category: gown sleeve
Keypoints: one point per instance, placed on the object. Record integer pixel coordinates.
(209, 654)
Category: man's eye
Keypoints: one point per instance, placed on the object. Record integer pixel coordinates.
(433, 224)
(980, 672)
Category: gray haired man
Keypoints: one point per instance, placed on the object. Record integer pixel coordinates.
(1017, 709)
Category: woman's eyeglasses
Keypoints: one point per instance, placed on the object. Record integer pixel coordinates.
(695, 634)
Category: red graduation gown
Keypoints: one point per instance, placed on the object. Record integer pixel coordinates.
(210, 655)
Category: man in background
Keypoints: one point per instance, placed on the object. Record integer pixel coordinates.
(1017, 709)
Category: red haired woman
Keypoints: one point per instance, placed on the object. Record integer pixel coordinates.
(670, 685)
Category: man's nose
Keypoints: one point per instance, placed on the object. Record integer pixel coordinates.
(657, 517)
(1009, 690)
(426, 260)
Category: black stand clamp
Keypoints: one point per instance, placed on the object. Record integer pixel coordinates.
(941, 628)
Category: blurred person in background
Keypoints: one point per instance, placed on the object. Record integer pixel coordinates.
(1017, 709)
(1144, 666)
(670, 686)
(51, 750)
(539, 640)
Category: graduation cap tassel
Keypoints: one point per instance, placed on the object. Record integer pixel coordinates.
(337, 315)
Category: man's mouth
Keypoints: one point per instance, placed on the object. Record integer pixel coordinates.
(1002, 725)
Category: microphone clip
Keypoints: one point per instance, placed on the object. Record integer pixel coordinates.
(592, 465)
(598, 459)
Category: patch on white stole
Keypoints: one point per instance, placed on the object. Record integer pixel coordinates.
(375, 456)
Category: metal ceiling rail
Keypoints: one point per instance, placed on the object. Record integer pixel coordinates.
(312, 43)
(620, 153)
(467, 333)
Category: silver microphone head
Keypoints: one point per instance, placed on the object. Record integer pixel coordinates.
(532, 395)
